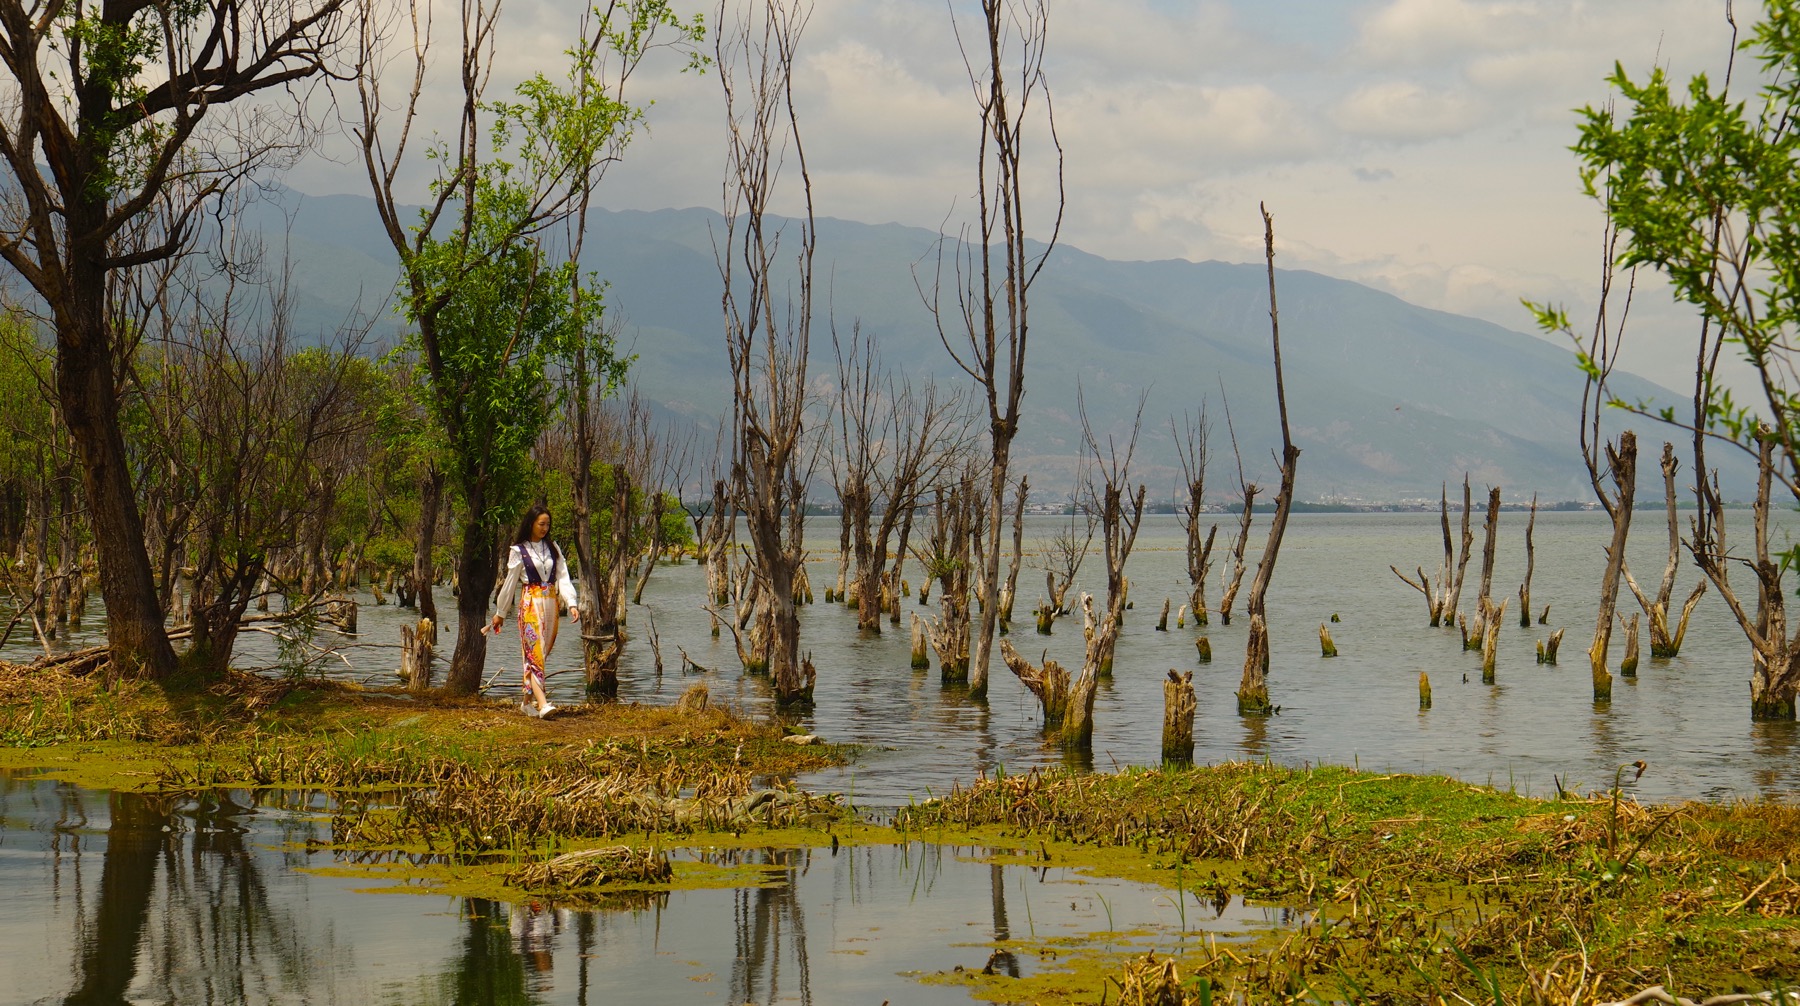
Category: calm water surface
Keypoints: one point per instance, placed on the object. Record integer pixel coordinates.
(115, 897)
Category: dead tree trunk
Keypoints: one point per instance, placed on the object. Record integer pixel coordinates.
(956, 518)
(1253, 689)
(1530, 565)
(1008, 592)
(1192, 451)
(1050, 683)
(1622, 464)
(1179, 704)
(1484, 601)
(1665, 642)
(768, 341)
(1452, 602)
(1249, 490)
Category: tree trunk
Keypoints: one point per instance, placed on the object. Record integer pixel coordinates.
(1530, 565)
(1050, 683)
(476, 568)
(1623, 463)
(86, 389)
(1179, 704)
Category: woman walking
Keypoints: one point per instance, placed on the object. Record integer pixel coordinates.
(535, 574)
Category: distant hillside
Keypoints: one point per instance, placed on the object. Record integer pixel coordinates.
(1388, 400)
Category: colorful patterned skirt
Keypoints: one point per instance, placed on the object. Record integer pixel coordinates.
(537, 630)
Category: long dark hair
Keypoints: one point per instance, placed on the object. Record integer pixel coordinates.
(524, 534)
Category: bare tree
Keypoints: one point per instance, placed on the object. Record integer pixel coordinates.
(1121, 512)
(1191, 442)
(894, 442)
(619, 503)
(1063, 554)
(1665, 641)
(1253, 690)
(988, 334)
(1247, 491)
(949, 558)
(768, 342)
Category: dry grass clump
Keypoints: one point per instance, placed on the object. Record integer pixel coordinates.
(615, 864)
(482, 809)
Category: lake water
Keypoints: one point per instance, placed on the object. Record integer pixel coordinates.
(1687, 717)
(115, 897)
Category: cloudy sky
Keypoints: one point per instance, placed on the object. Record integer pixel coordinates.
(1419, 146)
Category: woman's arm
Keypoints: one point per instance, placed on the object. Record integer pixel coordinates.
(509, 591)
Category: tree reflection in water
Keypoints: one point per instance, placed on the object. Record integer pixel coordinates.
(181, 896)
(764, 917)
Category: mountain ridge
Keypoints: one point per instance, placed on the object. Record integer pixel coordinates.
(1388, 400)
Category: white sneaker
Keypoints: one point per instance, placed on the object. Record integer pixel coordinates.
(528, 709)
(545, 712)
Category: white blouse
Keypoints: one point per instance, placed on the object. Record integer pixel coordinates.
(540, 558)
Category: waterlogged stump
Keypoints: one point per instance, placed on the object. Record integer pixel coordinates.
(1162, 621)
(1327, 648)
(921, 659)
(1546, 652)
(1179, 704)
(415, 655)
(1490, 639)
(1629, 665)
(1424, 690)
(1253, 688)
(1050, 682)
(1203, 649)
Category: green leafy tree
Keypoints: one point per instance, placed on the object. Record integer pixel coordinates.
(1704, 189)
(110, 164)
(492, 309)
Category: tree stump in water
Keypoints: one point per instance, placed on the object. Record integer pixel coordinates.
(1424, 690)
(921, 658)
(1181, 617)
(1546, 652)
(600, 665)
(1253, 689)
(1490, 639)
(1078, 713)
(1544, 616)
(1327, 648)
(1178, 717)
(1050, 683)
(1628, 666)
(1203, 649)
(415, 655)
(1046, 616)
(1162, 622)
(344, 614)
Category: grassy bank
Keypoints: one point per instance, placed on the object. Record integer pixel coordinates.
(1420, 889)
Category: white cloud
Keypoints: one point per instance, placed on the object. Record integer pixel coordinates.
(1406, 110)
(1430, 31)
